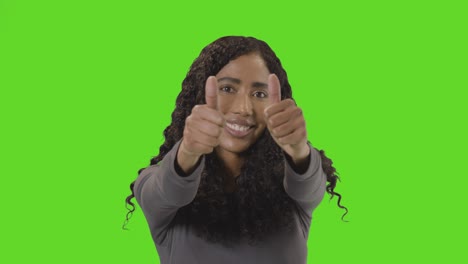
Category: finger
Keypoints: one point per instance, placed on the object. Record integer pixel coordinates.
(197, 136)
(214, 117)
(198, 148)
(288, 128)
(209, 128)
(211, 94)
(282, 130)
(203, 113)
(274, 89)
(294, 138)
(279, 107)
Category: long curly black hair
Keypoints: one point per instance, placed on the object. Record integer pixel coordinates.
(260, 203)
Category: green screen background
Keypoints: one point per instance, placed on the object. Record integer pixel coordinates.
(87, 88)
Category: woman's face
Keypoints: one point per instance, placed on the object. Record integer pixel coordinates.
(242, 97)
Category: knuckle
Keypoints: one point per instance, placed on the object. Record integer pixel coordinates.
(301, 132)
(297, 111)
(188, 141)
(196, 109)
(218, 131)
(208, 150)
(189, 120)
(219, 120)
(289, 102)
(273, 121)
(274, 132)
(299, 122)
(186, 132)
(210, 140)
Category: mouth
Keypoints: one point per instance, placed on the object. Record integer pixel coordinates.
(238, 130)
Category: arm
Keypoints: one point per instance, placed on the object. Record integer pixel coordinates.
(304, 179)
(305, 186)
(164, 188)
(161, 191)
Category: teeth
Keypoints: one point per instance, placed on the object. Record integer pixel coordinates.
(237, 127)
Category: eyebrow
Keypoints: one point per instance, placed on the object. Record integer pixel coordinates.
(237, 81)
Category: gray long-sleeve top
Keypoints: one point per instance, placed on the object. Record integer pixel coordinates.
(161, 191)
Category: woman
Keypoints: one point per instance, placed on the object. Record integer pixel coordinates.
(236, 180)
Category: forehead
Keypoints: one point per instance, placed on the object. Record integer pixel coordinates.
(248, 67)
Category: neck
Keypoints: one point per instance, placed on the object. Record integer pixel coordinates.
(232, 162)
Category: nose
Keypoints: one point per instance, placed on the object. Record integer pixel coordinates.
(242, 105)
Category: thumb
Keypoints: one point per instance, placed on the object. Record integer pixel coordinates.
(274, 89)
(211, 94)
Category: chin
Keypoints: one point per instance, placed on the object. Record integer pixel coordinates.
(235, 147)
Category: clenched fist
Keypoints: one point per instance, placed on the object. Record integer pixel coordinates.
(202, 130)
(286, 123)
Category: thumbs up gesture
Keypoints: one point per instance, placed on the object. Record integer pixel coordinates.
(202, 130)
(286, 123)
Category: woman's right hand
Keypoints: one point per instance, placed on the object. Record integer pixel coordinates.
(202, 130)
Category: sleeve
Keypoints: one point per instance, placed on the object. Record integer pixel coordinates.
(306, 189)
(161, 191)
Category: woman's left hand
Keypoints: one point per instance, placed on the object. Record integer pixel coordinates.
(286, 123)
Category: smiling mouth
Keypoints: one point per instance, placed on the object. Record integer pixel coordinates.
(237, 127)
(238, 130)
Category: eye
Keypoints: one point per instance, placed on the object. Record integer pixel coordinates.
(226, 89)
(259, 94)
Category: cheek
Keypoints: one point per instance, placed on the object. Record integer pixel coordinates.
(259, 111)
(223, 105)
